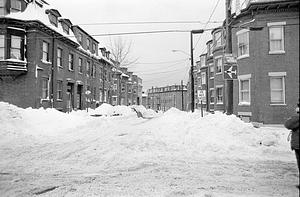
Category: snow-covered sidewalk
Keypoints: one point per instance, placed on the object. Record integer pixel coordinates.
(49, 153)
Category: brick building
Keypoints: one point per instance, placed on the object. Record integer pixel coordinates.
(45, 61)
(163, 98)
(265, 41)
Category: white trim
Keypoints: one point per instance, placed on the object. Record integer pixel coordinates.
(276, 23)
(244, 113)
(243, 56)
(277, 52)
(242, 31)
(219, 86)
(276, 74)
(244, 77)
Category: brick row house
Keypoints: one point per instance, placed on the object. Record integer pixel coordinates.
(265, 41)
(46, 61)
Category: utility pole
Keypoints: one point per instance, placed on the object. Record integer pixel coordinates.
(182, 103)
(200, 31)
(228, 50)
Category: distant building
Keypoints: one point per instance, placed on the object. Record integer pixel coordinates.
(164, 98)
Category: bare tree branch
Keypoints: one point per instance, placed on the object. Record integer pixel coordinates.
(120, 50)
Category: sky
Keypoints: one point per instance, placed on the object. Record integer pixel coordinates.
(157, 64)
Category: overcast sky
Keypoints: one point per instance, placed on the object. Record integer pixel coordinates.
(157, 64)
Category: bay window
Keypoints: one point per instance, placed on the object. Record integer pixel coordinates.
(243, 43)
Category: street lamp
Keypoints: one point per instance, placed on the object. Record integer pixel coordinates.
(199, 31)
(175, 50)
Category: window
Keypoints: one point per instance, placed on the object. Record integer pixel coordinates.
(15, 47)
(211, 70)
(53, 19)
(2, 8)
(45, 52)
(80, 38)
(59, 57)
(277, 87)
(93, 71)
(94, 93)
(71, 61)
(276, 37)
(219, 92)
(203, 78)
(2, 47)
(202, 61)
(100, 95)
(105, 95)
(123, 87)
(218, 63)
(212, 96)
(80, 70)
(218, 39)
(65, 28)
(88, 44)
(45, 88)
(94, 48)
(15, 5)
(243, 43)
(244, 89)
(88, 65)
(59, 90)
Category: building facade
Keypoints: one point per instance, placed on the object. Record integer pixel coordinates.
(48, 62)
(164, 98)
(265, 42)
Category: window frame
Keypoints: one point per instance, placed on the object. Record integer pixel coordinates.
(212, 96)
(45, 54)
(2, 47)
(218, 41)
(218, 96)
(281, 26)
(59, 57)
(203, 78)
(276, 75)
(239, 34)
(218, 59)
(80, 65)
(17, 5)
(240, 79)
(59, 90)
(71, 62)
(45, 89)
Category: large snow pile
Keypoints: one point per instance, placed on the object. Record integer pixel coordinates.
(121, 141)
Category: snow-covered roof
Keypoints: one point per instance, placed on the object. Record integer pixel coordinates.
(34, 12)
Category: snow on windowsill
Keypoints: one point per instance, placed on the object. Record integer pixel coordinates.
(243, 56)
(244, 104)
(276, 52)
(13, 60)
(46, 62)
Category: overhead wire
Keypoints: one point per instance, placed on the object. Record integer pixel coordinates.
(146, 22)
(213, 11)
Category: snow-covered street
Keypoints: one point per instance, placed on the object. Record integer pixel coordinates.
(49, 153)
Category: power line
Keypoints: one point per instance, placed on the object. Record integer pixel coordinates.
(172, 65)
(207, 23)
(181, 60)
(148, 22)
